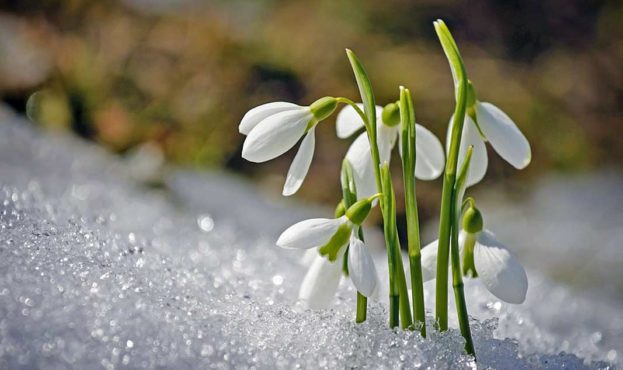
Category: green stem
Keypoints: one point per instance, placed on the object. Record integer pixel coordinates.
(457, 284)
(457, 272)
(362, 308)
(362, 300)
(354, 105)
(407, 117)
(403, 292)
(394, 297)
(349, 195)
(447, 197)
(398, 282)
(369, 119)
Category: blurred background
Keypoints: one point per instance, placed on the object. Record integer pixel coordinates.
(176, 76)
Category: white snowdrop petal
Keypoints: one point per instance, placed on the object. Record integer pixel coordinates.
(504, 135)
(321, 282)
(430, 159)
(499, 270)
(361, 267)
(429, 261)
(348, 121)
(479, 162)
(300, 165)
(275, 135)
(379, 290)
(310, 233)
(308, 257)
(363, 170)
(429, 257)
(256, 115)
(386, 139)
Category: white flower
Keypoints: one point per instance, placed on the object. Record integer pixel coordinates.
(499, 269)
(361, 267)
(312, 233)
(429, 152)
(500, 131)
(329, 237)
(273, 128)
(321, 281)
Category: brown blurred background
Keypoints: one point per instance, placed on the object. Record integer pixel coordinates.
(180, 74)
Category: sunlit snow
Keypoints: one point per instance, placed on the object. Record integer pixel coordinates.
(100, 271)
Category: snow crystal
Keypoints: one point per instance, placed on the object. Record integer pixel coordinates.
(100, 271)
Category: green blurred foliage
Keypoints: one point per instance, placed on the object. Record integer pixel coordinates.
(181, 73)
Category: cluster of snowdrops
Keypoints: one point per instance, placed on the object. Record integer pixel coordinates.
(335, 245)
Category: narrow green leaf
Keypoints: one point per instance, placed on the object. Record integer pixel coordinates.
(448, 192)
(451, 50)
(365, 89)
(349, 189)
(407, 118)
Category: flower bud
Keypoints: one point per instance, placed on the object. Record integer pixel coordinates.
(323, 107)
(358, 212)
(472, 220)
(391, 114)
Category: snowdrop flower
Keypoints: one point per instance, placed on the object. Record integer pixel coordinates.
(321, 281)
(429, 152)
(273, 128)
(486, 122)
(330, 237)
(483, 256)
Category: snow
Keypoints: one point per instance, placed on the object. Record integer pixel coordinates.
(99, 271)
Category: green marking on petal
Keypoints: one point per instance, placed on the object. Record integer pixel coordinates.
(337, 241)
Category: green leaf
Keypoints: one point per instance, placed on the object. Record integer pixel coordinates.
(407, 118)
(451, 50)
(365, 90)
(349, 189)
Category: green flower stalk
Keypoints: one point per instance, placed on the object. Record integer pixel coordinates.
(349, 197)
(407, 118)
(457, 272)
(398, 295)
(448, 196)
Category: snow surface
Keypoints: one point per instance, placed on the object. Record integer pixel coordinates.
(99, 271)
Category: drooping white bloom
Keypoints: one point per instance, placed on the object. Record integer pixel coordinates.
(321, 281)
(429, 151)
(311, 233)
(361, 267)
(273, 128)
(329, 238)
(495, 265)
(500, 131)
